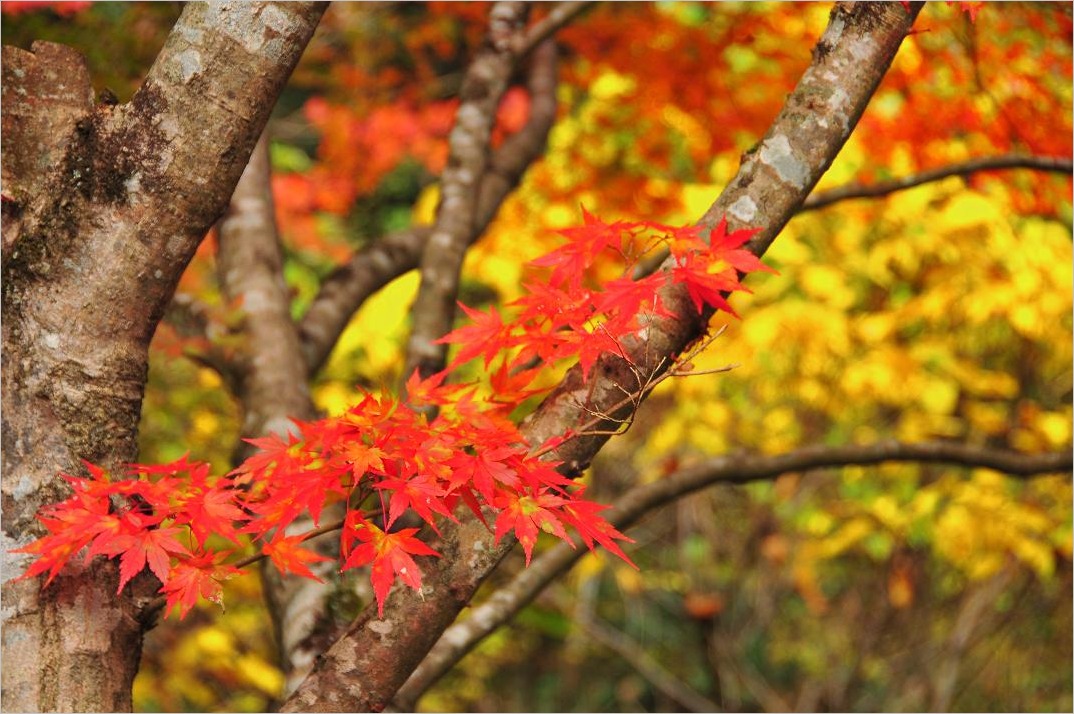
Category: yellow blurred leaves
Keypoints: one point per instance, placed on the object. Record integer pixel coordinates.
(827, 284)
(260, 674)
(936, 313)
(982, 524)
(370, 345)
(611, 85)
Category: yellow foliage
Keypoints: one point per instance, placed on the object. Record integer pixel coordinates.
(846, 536)
(424, 212)
(697, 197)
(937, 396)
(209, 378)
(589, 566)
(214, 642)
(630, 581)
(205, 423)
(372, 341)
(611, 85)
(825, 283)
(1055, 427)
(260, 674)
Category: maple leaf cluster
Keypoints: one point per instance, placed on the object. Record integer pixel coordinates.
(386, 457)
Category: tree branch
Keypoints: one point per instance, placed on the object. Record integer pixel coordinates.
(506, 602)
(189, 318)
(561, 14)
(433, 311)
(1053, 164)
(375, 265)
(850, 59)
(250, 269)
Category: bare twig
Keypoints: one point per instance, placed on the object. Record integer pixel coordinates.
(502, 605)
(856, 190)
(1053, 164)
(646, 384)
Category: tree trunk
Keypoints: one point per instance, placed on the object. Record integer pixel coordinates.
(103, 209)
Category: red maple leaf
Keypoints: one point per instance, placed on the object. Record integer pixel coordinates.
(390, 555)
(71, 524)
(273, 455)
(727, 246)
(584, 517)
(705, 288)
(525, 515)
(141, 545)
(430, 390)
(570, 261)
(363, 458)
(483, 337)
(483, 469)
(193, 577)
(288, 555)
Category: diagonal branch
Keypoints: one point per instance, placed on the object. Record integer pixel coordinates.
(851, 57)
(561, 14)
(375, 265)
(433, 311)
(506, 602)
(1053, 164)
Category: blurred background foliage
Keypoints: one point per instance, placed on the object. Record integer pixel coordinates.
(938, 312)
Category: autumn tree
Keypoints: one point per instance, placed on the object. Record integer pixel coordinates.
(640, 163)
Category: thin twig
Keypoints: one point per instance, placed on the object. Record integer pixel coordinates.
(1052, 164)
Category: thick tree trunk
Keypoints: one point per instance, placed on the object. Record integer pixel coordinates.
(103, 208)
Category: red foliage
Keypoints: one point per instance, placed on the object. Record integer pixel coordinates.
(384, 457)
(18, 7)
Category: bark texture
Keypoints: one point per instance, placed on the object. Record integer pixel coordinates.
(104, 207)
(362, 671)
(273, 386)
